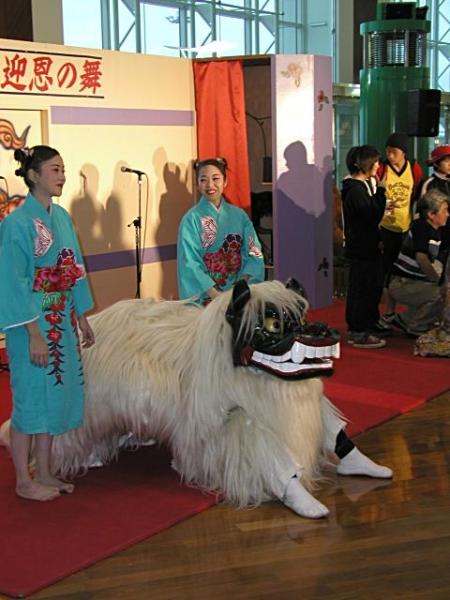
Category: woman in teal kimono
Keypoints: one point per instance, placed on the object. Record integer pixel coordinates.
(217, 243)
(44, 296)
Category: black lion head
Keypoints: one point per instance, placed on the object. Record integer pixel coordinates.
(276, 338)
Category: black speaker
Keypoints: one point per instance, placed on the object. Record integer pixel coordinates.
(406, 10)
(421, 112)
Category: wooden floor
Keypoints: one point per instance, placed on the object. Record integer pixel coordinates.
(382, 540)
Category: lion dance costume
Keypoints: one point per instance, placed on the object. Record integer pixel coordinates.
(233, 389)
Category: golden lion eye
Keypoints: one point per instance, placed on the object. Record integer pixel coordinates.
(272, 325)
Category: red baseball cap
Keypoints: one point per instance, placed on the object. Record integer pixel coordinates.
(438, 154)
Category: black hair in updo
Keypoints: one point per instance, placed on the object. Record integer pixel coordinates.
(32, 158)
(219, 162)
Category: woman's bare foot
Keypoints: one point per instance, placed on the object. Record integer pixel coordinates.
(34, 490)
(63, 486)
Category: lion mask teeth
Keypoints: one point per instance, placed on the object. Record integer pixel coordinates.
(297, 355)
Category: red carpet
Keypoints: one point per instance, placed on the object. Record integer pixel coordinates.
(372, 386)
(111, 509)
(127, 502)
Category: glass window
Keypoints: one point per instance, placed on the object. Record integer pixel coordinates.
(161, 32)
(240, 3)
(232, 30)
(289, 9)
(268, 5)
(288, 40)
(78, 30)
(127, 29)
(267, 36)
(202, 26)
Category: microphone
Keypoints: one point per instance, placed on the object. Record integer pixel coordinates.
(128, 170)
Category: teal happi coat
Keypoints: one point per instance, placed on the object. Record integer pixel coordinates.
(43, 279)
(216, 246)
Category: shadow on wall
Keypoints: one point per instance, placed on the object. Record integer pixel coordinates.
(87, 212)
(174, 188)
(304, 215)
(118, 235)
(103, 229)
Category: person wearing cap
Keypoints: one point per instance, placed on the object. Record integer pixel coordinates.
(440, 180)
(402, 178)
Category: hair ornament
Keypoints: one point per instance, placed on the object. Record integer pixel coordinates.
(218, 160)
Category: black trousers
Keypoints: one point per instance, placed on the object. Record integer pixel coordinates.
(392, 243)
(364, 293)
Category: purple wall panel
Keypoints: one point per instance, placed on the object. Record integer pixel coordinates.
(79, 115)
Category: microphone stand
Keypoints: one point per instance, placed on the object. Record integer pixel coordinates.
(137, 223)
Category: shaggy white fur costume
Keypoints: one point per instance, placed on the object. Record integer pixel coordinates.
(164, 370)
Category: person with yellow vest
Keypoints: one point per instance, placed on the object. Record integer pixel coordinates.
(402, 178)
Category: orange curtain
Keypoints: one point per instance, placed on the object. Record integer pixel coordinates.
(221, 124)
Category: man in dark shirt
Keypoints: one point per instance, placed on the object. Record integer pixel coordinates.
(416, 273)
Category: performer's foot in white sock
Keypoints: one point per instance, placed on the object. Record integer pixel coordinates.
(357, 463)
(301, 502)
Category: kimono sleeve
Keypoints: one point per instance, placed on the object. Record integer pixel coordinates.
(252, 256)
(17, 302)
(81, 291)
(193, 278)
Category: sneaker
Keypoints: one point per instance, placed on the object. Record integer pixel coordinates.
(351, 335)
(387, 318)
(369, 341)
(380, 327)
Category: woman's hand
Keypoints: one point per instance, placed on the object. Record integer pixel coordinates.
(37, 346)
(213, 293)
(88, 338)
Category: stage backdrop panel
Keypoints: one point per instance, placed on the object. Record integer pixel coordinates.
(302, 198)
(104, 110)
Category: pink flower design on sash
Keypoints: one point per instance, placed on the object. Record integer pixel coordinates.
(253, 249)
(209, 231)
(43, 239)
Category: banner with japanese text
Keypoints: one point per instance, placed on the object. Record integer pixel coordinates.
(50, 73)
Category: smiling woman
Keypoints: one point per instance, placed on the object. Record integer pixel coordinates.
(217, 243)
(44, 297)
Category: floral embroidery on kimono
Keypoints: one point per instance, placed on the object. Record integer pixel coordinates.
(209, 231)
(43, 239)
(43, 281)
(216, 247)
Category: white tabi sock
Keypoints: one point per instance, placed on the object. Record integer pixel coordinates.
(357, 463)
(298, 499)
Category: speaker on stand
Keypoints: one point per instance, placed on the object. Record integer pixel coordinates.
(421, 112)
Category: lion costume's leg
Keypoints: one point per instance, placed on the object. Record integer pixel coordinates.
(351, 460)
(298, 499)
(248, 460)
(271, 467)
